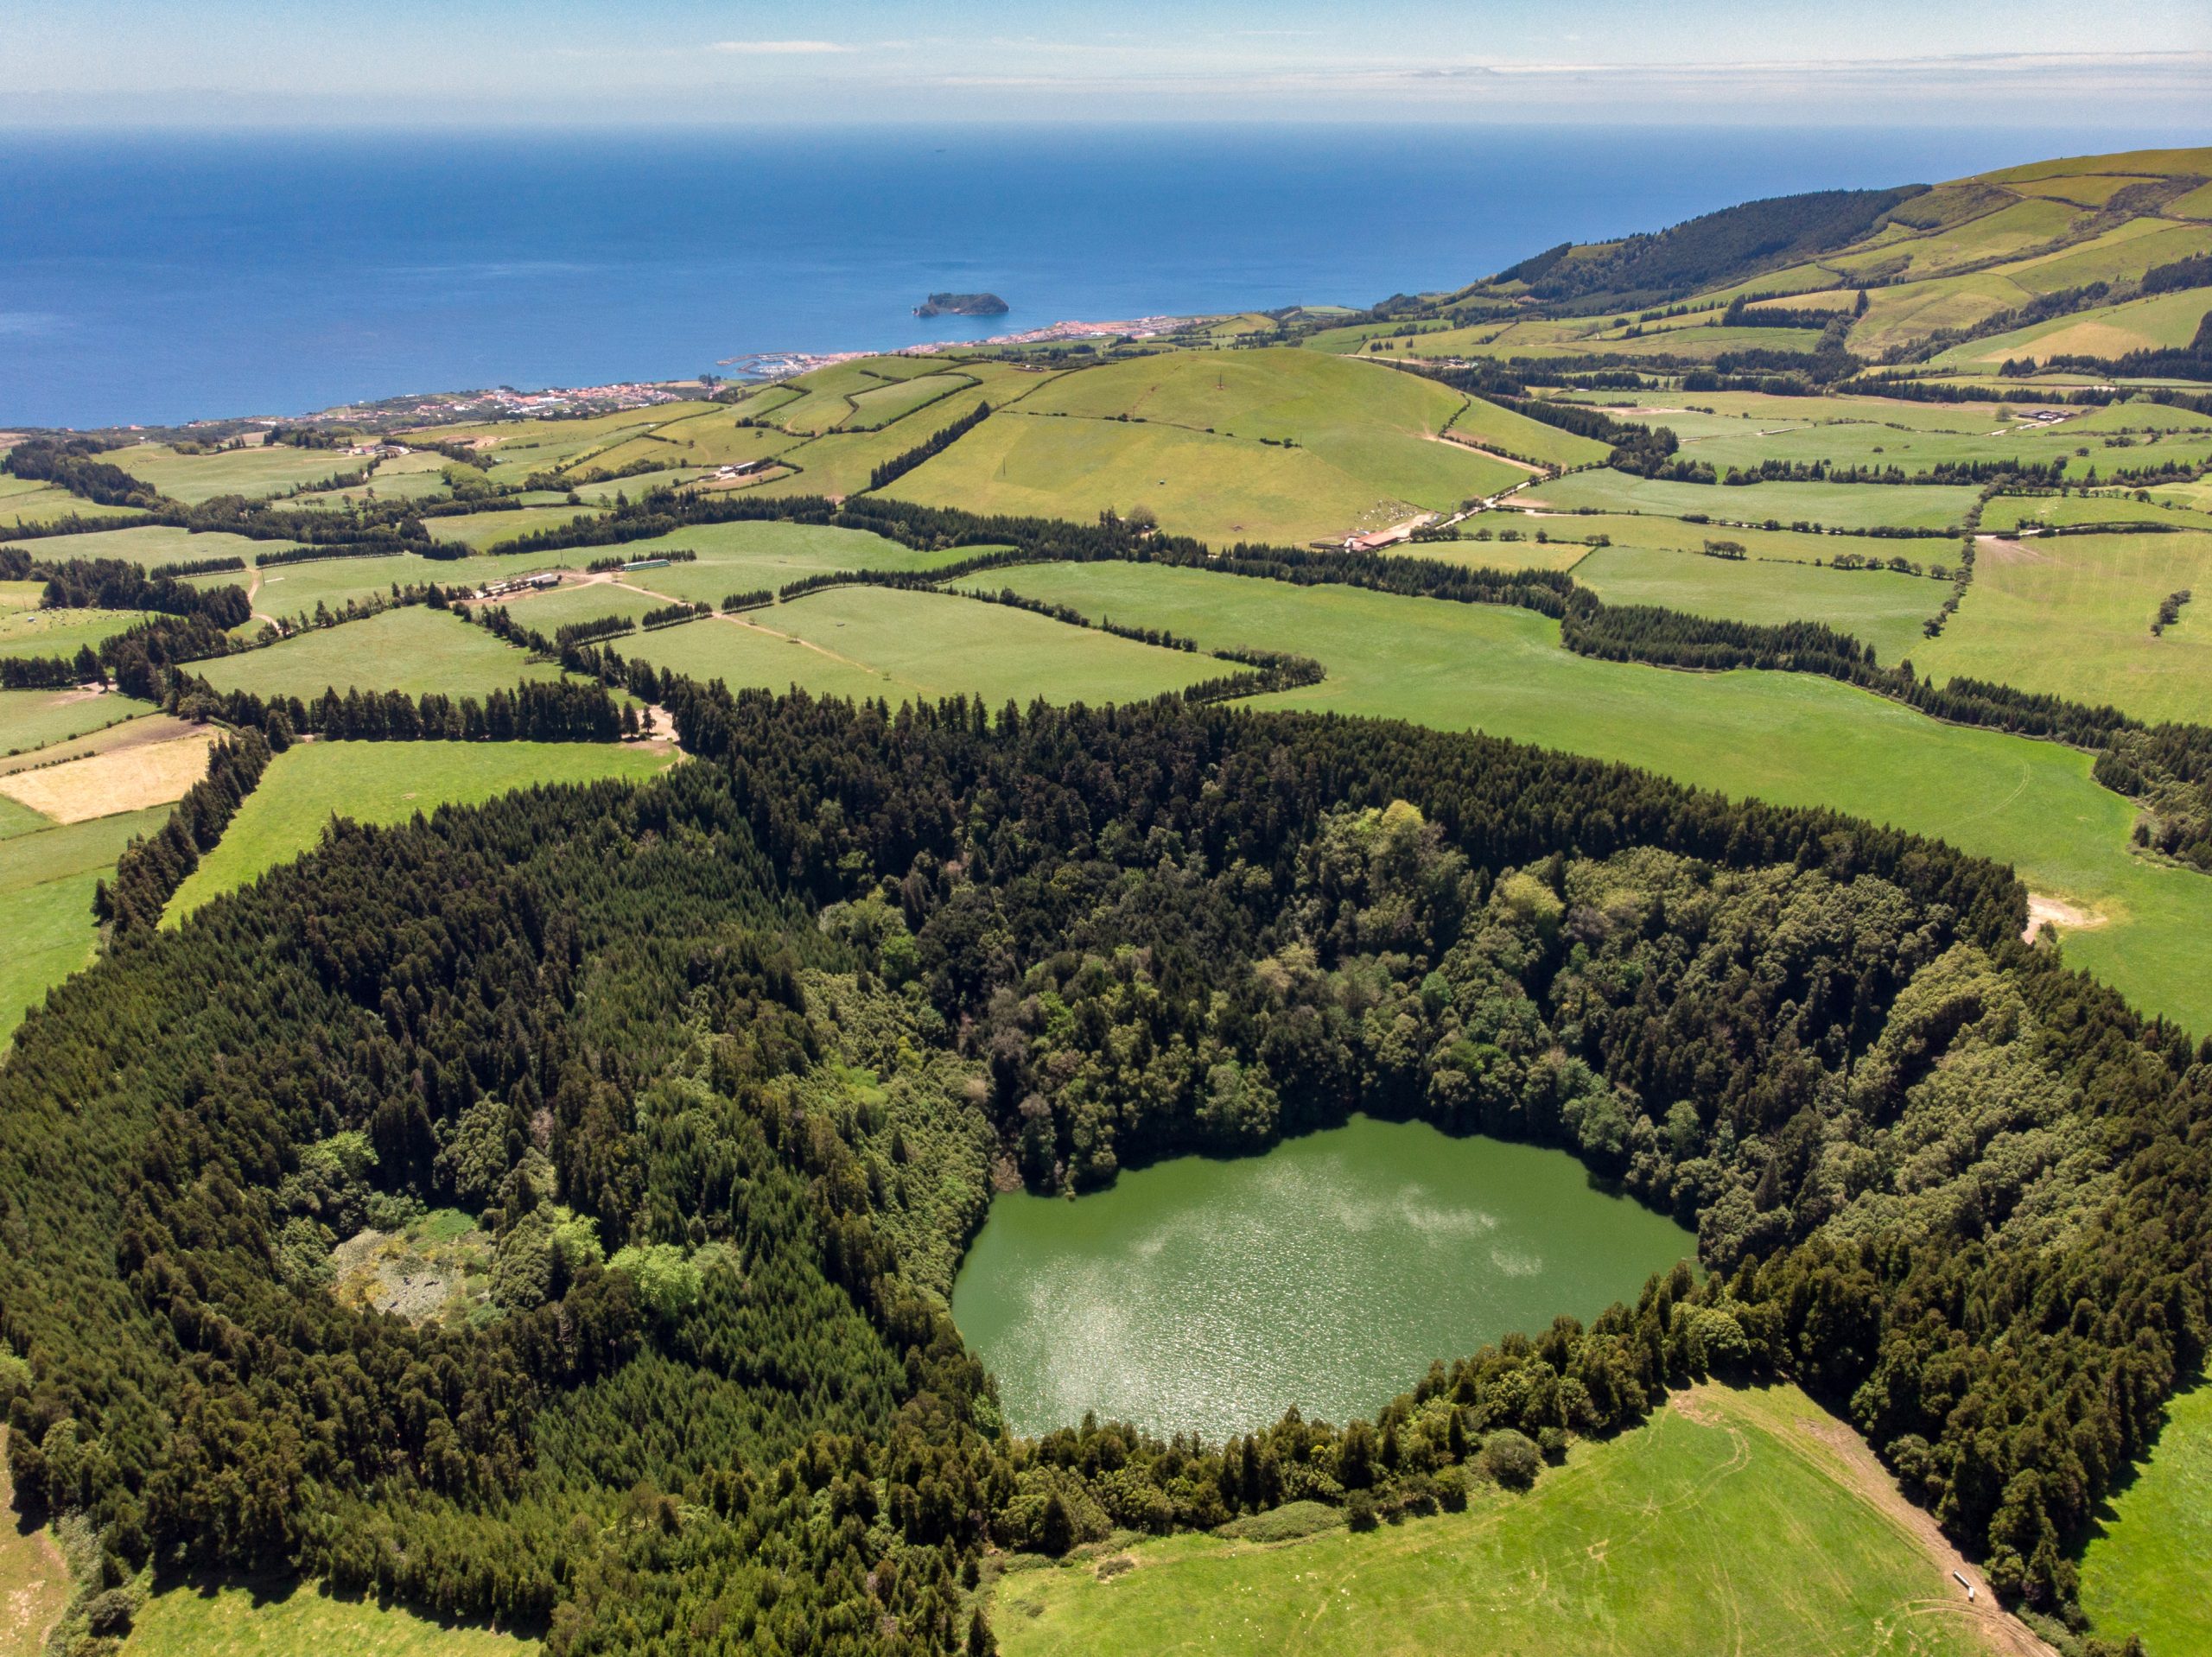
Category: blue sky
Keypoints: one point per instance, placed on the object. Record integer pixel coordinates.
(2147, 63)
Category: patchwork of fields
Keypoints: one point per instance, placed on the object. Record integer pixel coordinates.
(1740, 1518)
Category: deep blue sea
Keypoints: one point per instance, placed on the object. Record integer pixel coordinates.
(165, 278)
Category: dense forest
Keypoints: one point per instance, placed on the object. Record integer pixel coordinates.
(725, 1066)
(1703, 251)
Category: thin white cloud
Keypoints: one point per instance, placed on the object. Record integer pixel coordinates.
(777, 48)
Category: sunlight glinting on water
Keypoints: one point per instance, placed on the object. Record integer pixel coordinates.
(1210, 1296)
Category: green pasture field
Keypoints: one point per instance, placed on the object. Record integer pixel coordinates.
(557, 433)
(2118, 255)
(1796, 739)
(2071, 614)
(1699, 344)
(1509, 433)
(385, 783)
(882, 404)
(414, 649)
(2005, 514)
(1674, 535)
(1373, 424)
(254, 472)
(1761, 408)
(1688, 422)
(385, 485)
(49, 502)
(841, 462)
(611, 490)
(17, 818)
(1906, 314)
(1720, 414)
(588, 599)
(556, 445)
(510, 450)
(707, 440)
(1224, 489)
(764, 400)
(1879, 607)
(2009, 232)
(871, 641)
(296, 590)
(1347, 339)
(741, 654)
(1556, 551)
(829, 399)
(1728, 1523)
(38, 718)
(1842, 443)
(21, 595)
(2084, 190)
(2148, 1571)
(1829, 301)
(2109, 331)
(2108, 456)
(288, 1619)
(60, 632)
(1832, 505)
(150, 544)
(2192, 496)
(484, 532)
(46, 903)
(2140, 414)
(744, 557)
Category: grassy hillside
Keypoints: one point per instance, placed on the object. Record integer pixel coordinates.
(1954, 256)
(1742, 1521)
(1266, 444)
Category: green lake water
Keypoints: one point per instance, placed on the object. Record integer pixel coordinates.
(1210, 1296)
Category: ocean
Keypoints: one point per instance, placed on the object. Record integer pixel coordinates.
(164, 278)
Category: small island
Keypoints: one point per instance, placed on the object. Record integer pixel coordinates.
(962, 305)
